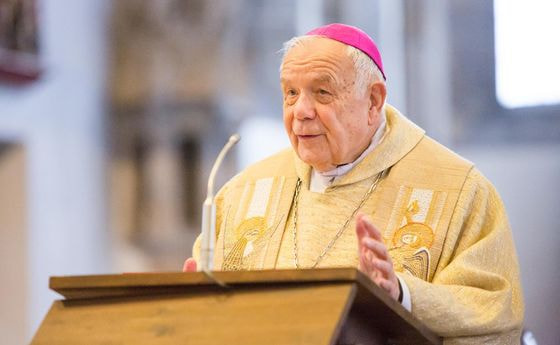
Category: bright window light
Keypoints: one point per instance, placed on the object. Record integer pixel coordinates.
(527, 43)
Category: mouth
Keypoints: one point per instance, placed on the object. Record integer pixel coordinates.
(308, 136)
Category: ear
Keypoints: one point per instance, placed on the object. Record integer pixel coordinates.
(377, 96)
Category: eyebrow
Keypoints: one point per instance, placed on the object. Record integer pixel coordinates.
(323, 78)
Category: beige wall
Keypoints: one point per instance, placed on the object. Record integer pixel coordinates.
(13, 251)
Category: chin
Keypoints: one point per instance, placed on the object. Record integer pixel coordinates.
(311, 159)
(307, 157)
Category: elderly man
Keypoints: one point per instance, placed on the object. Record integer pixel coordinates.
(362, 186)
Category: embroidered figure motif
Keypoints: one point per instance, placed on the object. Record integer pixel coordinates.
(253, 225)
(249, 235)
(411, 243)
(413, 234)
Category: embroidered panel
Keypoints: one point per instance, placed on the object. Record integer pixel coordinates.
(410, 233)
(244, 243)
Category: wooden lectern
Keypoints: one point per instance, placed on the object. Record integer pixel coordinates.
(319, 306)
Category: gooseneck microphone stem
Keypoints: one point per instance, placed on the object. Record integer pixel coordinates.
(209, 211)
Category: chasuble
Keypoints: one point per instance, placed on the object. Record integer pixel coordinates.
(442, 221)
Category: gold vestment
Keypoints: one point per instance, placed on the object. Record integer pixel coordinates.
(442, 221)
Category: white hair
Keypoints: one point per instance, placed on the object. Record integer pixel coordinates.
(366, 70)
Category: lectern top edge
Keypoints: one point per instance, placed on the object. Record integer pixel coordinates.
(63, 285)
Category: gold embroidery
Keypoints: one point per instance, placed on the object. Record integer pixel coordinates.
(418, 263)
(252, 225)
(415, 262)
(413, 235)
(410, 245)
(248, 236)
(399, 210)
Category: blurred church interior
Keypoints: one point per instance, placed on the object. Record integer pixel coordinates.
(106, 144)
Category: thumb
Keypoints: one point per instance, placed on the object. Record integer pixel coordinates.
(189, 265)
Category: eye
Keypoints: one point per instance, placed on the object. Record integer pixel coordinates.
(290, 93)
(290, 96)
(324, 96)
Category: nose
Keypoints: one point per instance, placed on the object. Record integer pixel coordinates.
(304, 107)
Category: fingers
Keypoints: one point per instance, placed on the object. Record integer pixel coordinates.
(378, 248)
(386, 285)
(189, 265)
(385, 267)
(375, 260)
(361, 231)
(368, 228)
(380, 273)
(385, 278)
(375, 267)
(366, 264)
(369, 244)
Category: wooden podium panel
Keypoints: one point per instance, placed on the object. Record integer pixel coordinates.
(324, 306)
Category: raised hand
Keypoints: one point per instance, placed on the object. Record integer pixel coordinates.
(375, 261)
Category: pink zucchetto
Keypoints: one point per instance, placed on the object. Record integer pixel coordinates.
(351, 36)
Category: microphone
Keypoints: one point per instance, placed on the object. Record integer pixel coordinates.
(209, 211)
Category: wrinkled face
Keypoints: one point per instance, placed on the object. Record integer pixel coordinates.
(327, 121)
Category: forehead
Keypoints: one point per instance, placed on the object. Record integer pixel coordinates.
(319, 58)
